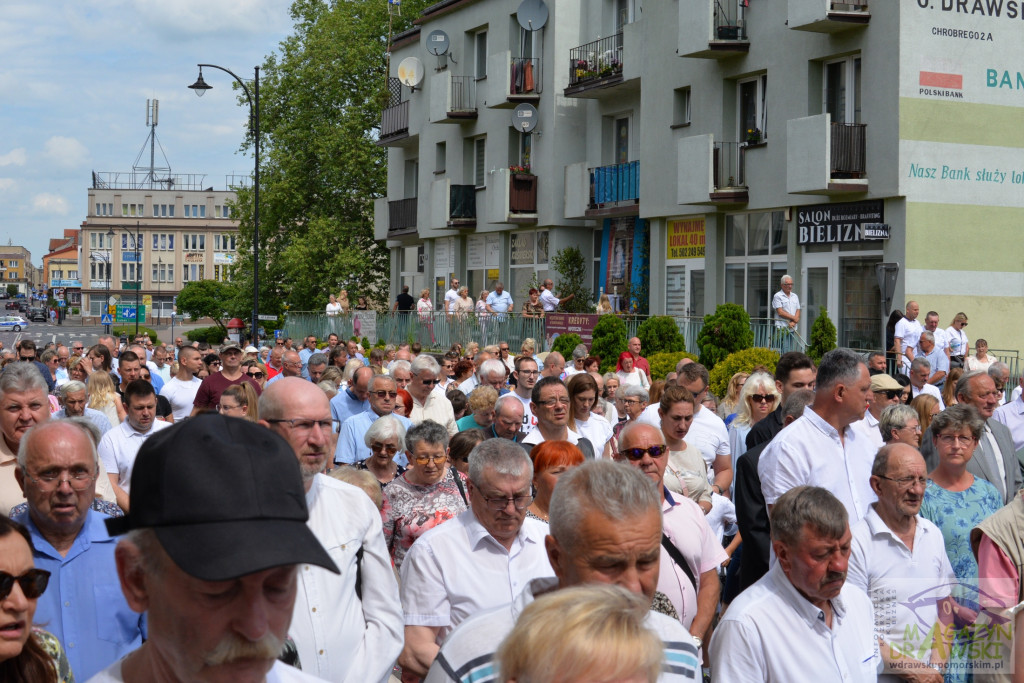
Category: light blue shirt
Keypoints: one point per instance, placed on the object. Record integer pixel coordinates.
(343, 406)
(95, 416)
(351, 446)
(304, 355)
(83, 605)
(500, 302)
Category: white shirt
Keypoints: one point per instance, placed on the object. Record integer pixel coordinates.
(436, 408)
(597, 430)
(549, 300)
(182, 396)
(707, 432)
(338, 636)
(910, 332)
(929, 389)
(332, 310)
(772, 634)
(458, 569)
(869, 425)
(902, 584)
(120, 445)
(535, 437)
(529, 419)
(809, 452)
(279, 673)
(450, 297)
(1012, 415)
(956, 340)
(790, 304)
(468, 385)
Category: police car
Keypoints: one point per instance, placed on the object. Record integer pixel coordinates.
(13, 322)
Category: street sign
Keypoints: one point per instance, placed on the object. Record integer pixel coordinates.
(127, 313)
(262, 316)
(106, 319)
(147, 299)
(61, 303)
(111, 309)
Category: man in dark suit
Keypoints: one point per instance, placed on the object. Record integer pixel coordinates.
(995, 458)
(793, 372)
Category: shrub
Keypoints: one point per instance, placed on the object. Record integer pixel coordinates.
(609, 341)
(725, 331)
(740, 361)
(129, 331)
(211, 335)
(664, 363)
(660, 334)
(380, 343)
(572, 280)
(365, 343)
(565, 343)
(74, 311)
(823, 336)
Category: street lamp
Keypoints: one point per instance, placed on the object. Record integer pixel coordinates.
(106, 262)
(200, 87)
(138, 278)
(159, 279)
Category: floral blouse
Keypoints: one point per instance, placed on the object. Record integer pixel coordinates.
(410, 510)
(536, 310)
(60, 660)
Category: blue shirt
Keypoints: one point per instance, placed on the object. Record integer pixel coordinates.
(83, 605)
(500, 302)
(343, 406)
(351, 446)
(97, 417)
(304, 355)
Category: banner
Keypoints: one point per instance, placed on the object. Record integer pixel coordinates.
(685, 238)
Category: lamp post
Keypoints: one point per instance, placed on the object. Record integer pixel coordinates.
(200, 87)
(159, 280)
(138, 278)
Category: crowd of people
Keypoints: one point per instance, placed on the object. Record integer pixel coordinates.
(321, 511)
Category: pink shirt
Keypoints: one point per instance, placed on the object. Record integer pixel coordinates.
(688, 529)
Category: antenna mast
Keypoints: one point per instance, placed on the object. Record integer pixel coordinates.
(149, 174)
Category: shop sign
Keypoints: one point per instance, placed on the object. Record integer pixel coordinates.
(832, 223)
(195, 257)
(685, 238)
(522, 248)
(224, 258)
(574, 323)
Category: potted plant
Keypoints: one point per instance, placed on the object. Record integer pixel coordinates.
(520, 170)
(753, 136)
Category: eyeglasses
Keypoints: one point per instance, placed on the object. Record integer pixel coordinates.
(429, 382)
(27, 357)
(305, 426)
(951, 439)
(891, 393)
(255, 375)
(214, 362)
(424, 459)
(222, 407)
(386, 447)
(77, 348)
(499, 504)
(33, 583)
(762, 398)
(79, 479)
(906, 482)
(638, 453)
(551, 402)
(385, 394)
(529, 373)
(630, 401)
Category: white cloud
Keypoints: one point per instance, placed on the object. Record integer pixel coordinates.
(15, 157)
(66, 152)
(6, 184)
(46, 202)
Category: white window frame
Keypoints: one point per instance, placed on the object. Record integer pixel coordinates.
(852, 82)
(480, 55)
(760, 105)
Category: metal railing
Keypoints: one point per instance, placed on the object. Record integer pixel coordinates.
(463, 95)
(727, 165)
(394, 120)
(848, 145)
(522, 193)
(596, 60)
(402, 215)
(525, 76)
(615, 183)
(727, 23)
(462, 202)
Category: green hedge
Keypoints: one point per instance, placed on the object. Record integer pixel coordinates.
(823, 336)
(664, 363)
(565, 343)
(129, 331)
(660, 334)
(740, 361)
(725, 331)
(211, 335)
(609, 341)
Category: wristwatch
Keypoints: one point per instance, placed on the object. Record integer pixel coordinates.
(700, 642)
(716, 486)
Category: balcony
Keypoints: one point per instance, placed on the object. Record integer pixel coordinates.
(711, 172)
(712, 29)
(522, 194)
(594, 66)
(828, 16)
(452, 98)
(394, 120)
(402, 217)
(511, 197)
(729, 183)
(462, 206)
(614, 190)
(524, 79)
(826, 158)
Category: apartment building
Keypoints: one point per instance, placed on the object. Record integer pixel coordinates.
(16, 269)
(697, 150)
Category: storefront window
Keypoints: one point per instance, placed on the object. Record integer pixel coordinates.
(529, 256)
(755, 248)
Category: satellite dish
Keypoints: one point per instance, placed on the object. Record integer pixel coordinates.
(410, 72)
(524, 118)
(438, 43)
(532, 14)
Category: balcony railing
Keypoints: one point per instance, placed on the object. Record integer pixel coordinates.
(614, 184)
(728, 165)
(395, 120)
(596, 61)
(525, 76)
(463, 96)
(462, 204)
(728, 25)
(522, 193)
(848, 150)
(402, 216)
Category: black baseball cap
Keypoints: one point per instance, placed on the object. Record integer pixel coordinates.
(224, 496)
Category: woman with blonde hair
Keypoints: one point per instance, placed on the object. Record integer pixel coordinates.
(729, 406)
(103, 397)
(595, 633)
(239, 400)
(343, 302)
(481, 406)
(758, 398)
(464, 303)
(927, 407)
(949, 388)
(604, 305)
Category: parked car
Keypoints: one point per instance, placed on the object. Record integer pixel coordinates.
(37, 315)
(23, 306)
(12, 305)
(13, 322)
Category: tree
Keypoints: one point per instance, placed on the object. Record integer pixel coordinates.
(660, 334)
(205, 299)
(321, 98)
(609, 341)
(725, 331)
(572, 278)
(565, 344)
(823, 336)
(12, 290)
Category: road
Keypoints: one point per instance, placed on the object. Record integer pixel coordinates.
(41, 333)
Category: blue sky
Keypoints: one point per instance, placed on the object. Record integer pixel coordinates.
(74, 80)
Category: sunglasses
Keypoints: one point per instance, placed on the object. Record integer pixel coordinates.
(255, 375)
(429, 382)
(638, 453)
(33, 583)
(762, 398)
(891, 393)
(385, 394)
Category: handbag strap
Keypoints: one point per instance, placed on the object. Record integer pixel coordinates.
(678, 558)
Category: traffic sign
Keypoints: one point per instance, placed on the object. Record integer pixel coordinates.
(112, 309)
(106, 319)
(61, 303)
(263, 316)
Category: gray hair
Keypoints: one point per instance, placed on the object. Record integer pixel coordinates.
(428, 432)
(400, 365)
(503, 457)
(425, 362)
(782, 280)
(796, 402)
(71, 387)
(580, 352)
(998, 369)
(957, 417)
(378, 379)
(617, 491)
(386, 427)
(963, 385)
(316, 359)
(838, 366)
(927, 335)
(350, 369)
(895, 417)
(52, 424)
(875, 354)
(89, 426)
(492, 367)
(881, 464)
(20, 378)
(638, 391)
(920, 362)
(807, 506)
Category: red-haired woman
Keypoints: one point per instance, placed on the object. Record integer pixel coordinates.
(550, 459)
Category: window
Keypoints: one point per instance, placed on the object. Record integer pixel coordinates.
(755, 259)
(162, 272)
(104, 208)
(193, 272)
(12, 276)
(221, 273)
(681, 107)
(753, 117)
(163, 210)
(12, 264)
(129, 273)
(480, 54)
(202, 210)
(99, 271)
(72, 274)
(224, 242)
(194, 242)
(620, 140)
(133, 209)
(479, 159)
(163, 241)
(842, 90)
(525, 149)
(221, 211)
(411, 179)
(440, 157)
(528, 257)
